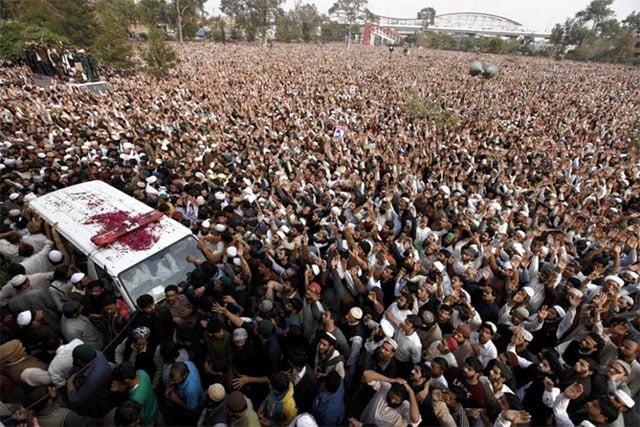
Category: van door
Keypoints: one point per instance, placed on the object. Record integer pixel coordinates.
(98, 273)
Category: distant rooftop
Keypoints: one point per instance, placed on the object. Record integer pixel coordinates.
(462, 22)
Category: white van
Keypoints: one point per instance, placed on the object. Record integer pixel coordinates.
(134, 249)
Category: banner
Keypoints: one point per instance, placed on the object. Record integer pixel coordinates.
(192, 209)
(338, 133)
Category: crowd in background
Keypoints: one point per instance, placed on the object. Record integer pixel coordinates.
(363, 263)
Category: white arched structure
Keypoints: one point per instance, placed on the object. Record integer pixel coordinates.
(469, 23)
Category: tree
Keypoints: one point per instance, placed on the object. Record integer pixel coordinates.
(557, 35)
(496, 45)
(632, 22)
(308, 18)
(427, 15)
(112, 42)
(300, 23)
(595, 34)
(352, 10)
(8, 10)
(418, 107)
(73, 19)
(13, 36)
(254, 17)
(609, 29)
(575, 33)
(182, 15)
(101, 25)
(159, 56)
(154, 12)
(124, 12)
(219, 35)
(286, 27)
(571, 33)
(184, 12)
(332, 32)
(597, 12)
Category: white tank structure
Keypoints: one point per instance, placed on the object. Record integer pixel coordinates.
(475, 68)
(490, 71)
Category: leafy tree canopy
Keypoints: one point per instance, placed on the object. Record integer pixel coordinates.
(100, 25)
(427, 15)
(14, 35)
(595, 34)
(159, 56)
(300, 23)
(253, 17)
(72, 19)
(352, 10)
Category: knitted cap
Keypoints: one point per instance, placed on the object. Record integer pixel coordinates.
(84, 353)
(265, 328)
(216, 392)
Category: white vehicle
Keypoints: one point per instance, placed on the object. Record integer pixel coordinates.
(133, 248)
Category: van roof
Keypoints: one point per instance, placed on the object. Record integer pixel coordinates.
(75, 211)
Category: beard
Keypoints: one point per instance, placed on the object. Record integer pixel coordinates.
(392, 404)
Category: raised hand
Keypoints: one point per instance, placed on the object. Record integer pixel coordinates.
(574, 391)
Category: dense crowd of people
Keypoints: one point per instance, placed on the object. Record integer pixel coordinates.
(364, 262)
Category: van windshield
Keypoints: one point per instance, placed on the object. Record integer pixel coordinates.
(167, 267)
